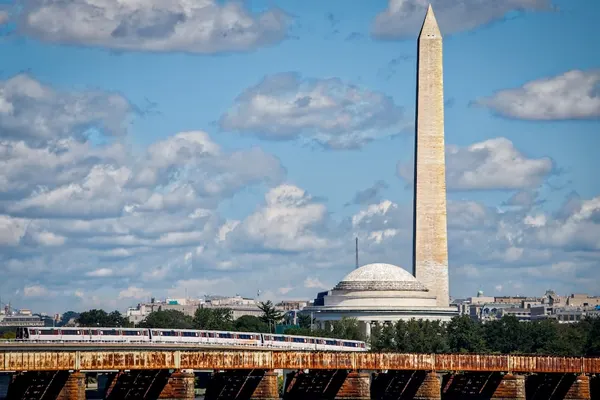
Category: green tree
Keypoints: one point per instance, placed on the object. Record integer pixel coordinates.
(216, 319)
(383, 337)
(508, 335)
(167, 319)
(465, 335)
(592, 328)
(347, 328)
(250, 323)
(66, 317)
(101, 318)
(271, 316)
(304, 321)
(8, 333)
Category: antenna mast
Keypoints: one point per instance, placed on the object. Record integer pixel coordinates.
(357, 252)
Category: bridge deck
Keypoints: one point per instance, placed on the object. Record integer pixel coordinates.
(129, 359)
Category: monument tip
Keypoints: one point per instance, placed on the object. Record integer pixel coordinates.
(430, 28)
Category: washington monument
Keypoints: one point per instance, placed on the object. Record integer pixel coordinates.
(430, 251)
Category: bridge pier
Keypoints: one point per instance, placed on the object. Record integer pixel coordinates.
(267, 388)
(430, 388)
(356, 386)
(74, 387)
(180, 386)
(511, 387)
(580, 389)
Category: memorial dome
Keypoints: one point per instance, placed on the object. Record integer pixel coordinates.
(380, 276)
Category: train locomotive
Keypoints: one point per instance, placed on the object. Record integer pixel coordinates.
(98, 335)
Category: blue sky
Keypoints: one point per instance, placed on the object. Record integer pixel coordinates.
(225, 147)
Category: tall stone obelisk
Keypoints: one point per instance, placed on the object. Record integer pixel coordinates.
(430, 252)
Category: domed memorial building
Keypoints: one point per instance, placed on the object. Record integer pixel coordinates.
(378, 293)
(384, 292)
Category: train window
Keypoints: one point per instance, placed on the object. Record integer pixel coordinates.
(170, 333)
(131, 333)
(189, 334)
(245, 336)
(109, 332)
(48, 332)
(330, 342)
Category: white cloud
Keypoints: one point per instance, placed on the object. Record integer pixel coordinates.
(205, 26)
(327, 111)
(494, 164)
(284, 290)
(314, 283)
(12, 230)
(288, 222)
(36, 113)
(403, 18)
(197, 288)
(579, 230)
(133, 292)
(572, 95)
(101, 273)
(35, 291)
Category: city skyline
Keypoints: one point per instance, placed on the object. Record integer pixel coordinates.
(143, 156)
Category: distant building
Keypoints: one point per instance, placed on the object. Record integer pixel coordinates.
(582, 300)
(510, 299)
(239, 306)
(21, 320)
(291, 305)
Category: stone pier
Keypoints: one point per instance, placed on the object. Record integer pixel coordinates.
(179, 387)
(430, 389)
(580, 389)
(74, 388)
(511, 387)
(267, 388)
(356, 386)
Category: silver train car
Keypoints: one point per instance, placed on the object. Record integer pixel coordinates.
(184, 336)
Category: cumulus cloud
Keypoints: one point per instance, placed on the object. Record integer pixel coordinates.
(494, 164)
(206, 26)
(330, 112)
(288, 221)
(572, 95)
(579, 229)
(35, 291)
(370, 194)
(314, 283)
(133, 292)
(36, 113)
(403, 18)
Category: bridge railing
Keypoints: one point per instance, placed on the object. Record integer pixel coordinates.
(123, 359)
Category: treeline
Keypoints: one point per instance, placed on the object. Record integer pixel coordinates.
(220, 319)
(346, 328)
(504, 336)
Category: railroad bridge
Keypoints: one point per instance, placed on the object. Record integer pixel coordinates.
(44, 374)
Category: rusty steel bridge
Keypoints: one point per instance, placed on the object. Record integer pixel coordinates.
(169, 373)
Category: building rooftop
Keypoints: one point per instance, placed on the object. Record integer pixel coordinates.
(380, 276)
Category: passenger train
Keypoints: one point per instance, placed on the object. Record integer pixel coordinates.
(184, 336)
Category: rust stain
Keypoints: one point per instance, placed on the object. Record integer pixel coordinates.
(183, 359)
